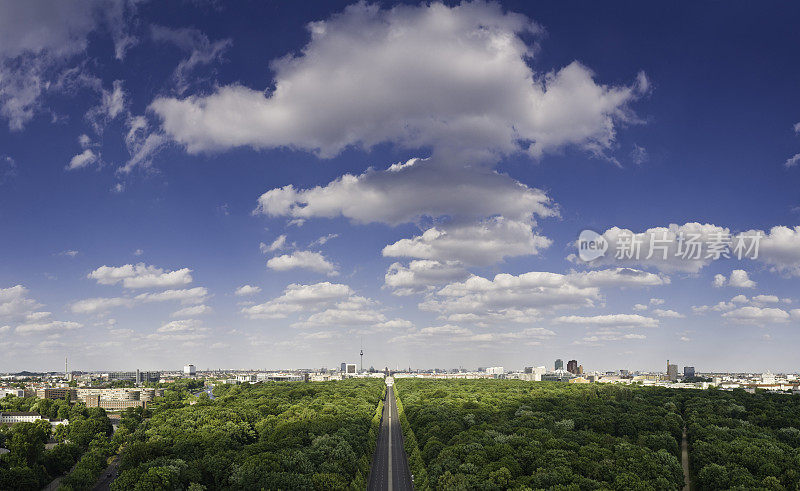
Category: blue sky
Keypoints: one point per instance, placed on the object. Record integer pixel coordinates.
(156, 159)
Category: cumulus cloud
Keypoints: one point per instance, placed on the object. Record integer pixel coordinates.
(676, 248)
(18, 309)
(325, 305)
(757, 315)
(181, 331)
(483, 243)
(297, 298)
(15, 303)
(522, 298)
(99, 304)
(757, 301)
(275, 245)
(193, 311)
(368, 75)
(422, 275)
(83, 159)
(245, 290)
(313, 261)
(404, 193)
(141, 276)
(196, 295)
(740, 279)
(667, 313)
(780, 249)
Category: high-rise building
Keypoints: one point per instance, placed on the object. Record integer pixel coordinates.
(189, 370)
(559, 364)
(688, 372)
(572, 367)
(343, 367)
(672, 372)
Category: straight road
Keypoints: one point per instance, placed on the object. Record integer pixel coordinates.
(390, 469)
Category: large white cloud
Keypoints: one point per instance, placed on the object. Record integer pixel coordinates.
(15, 302)
(675, 248)
(523, 297)
(485, 242)
(780, 248)
(297, 298)
(406, 192)
(369, 75)
(141, 276)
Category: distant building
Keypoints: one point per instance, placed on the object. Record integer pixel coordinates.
(11, 418)
(12, 392)
(580, 369)
(672, 372)
(572, 367)
(557, 376)
(136, 377)
(495, 371)
(189, 370)
(351, 369)
(118, 399)
(65, 393)
(559, 364)
(533, 374)
(688, 372)
(343, 368)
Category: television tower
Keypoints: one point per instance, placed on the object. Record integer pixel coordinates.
(362, 354)
(66, 369)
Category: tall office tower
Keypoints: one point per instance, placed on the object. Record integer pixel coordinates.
(688, 372)
(572, 367)
(672, 372)
(559, 364)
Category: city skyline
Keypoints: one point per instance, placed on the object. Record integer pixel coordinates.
(196, 183)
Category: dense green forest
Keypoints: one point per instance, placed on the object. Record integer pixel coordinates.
(276, 435)
(475, 434)
(744, 441)
(510, 434)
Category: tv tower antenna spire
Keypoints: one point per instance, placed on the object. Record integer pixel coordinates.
(362, 353)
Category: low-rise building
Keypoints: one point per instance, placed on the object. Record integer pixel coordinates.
(13, 417)
(12, 392)
(65, 393)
